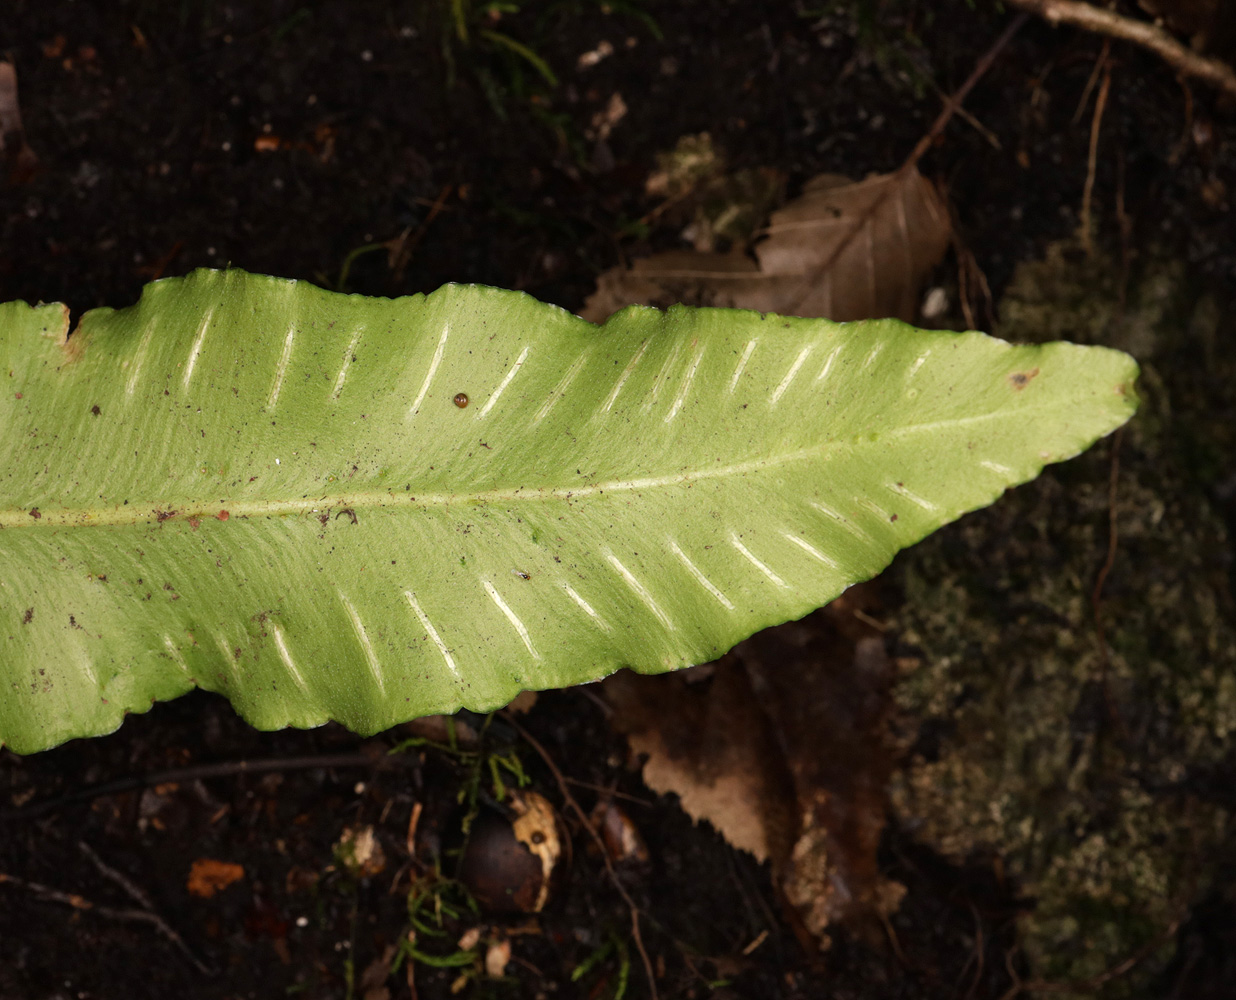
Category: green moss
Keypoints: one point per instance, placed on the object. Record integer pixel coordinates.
(1082, 785)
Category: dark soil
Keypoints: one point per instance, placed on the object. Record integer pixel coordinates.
(283, 135)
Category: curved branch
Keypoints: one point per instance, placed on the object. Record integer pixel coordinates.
(1149, 36)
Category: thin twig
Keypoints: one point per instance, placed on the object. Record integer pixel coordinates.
(134, 891)
(963, 283)
(139, 896)
(608, 792)
(400, 249)
(78, 902)
(197, 772)
(992, 139)
(1096, 595)
(1091, 80)
(1149, 36)
(609, 867)
(951, 105)
(979, 950)
(1092, 160)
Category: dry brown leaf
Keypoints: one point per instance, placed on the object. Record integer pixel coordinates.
(784, 749)
(497, 958)
(208, 876)
(842, 250)
(522, 703)
(619, 835)
(710, 744)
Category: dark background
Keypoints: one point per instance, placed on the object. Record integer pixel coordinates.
(282, 137)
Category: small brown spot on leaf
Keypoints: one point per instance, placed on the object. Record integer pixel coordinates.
(461, 399)
(28, 617)
(223, 515)
(95, 410)
(163, 515)
(1022, 379)
(34, 512)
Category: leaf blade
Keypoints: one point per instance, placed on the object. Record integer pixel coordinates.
(644, 494)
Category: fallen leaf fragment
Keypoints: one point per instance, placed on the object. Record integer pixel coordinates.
(842, 250)
(208, 876)
(447, 730)
(497, 958)
(622, 839)
(359, 851)
(710, 744)
(590, 58)
(603, 121)
(523, 703)
(784, 749)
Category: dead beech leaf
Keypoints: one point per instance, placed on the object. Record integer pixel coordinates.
(208, 876)
(841, 250)
(785, 750)
(709, 743)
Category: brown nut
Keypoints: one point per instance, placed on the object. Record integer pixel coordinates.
(509, 863)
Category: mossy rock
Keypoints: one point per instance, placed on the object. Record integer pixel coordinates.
(1081, 772)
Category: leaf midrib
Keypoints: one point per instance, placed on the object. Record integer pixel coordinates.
(151, 512)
